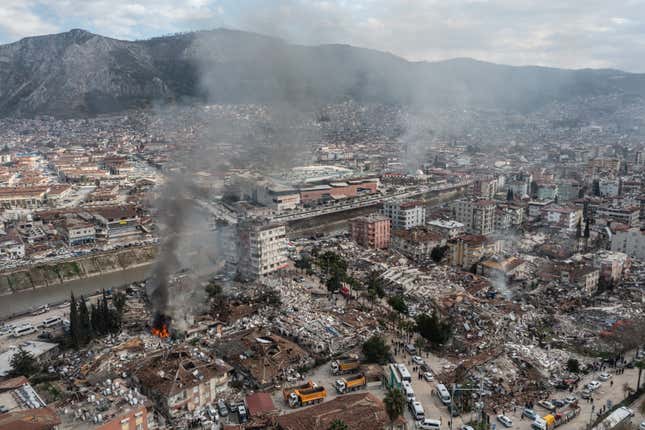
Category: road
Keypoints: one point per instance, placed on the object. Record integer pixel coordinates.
(29, 300)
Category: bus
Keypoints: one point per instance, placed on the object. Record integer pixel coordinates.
(23, 330)
(51, 322)
(403, 372)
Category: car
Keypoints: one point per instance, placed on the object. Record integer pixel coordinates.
(558, 403)
(410, 348)
(241, 413)
(466, 428)
(529, 413)
(642, 426)
(428, 376)
(221, 408)
(593, 385)
(428, 424)
(506, 421)
(547, 405)
(212, 413)
(417, 360)
(604, 376)
(585, 394)
(570, 399)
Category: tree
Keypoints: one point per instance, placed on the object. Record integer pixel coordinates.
(85, 325)
(641, 408)
(534, 188)
(595, 187)
(333, 283)
(213, 290)
(438, 252)
(74, 322)
(433, 328)
(573, 365)
(640, 365)
(376, 350)
(23, 363)
(394, 402)
(579, 229)
(586, 233)
(509, 195)
(119, 300)
(374, 283)
(303, 263)
(398, 304)
(338, 424)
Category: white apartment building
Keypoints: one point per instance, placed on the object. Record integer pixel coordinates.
(477, 215)
(566, 218)
(262, 249)
(404, 215)
(631, 242)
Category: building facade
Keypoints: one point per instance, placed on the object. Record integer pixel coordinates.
(372, 231)
(405, 215)
(630, 242)
(477, 215)
(262, 249)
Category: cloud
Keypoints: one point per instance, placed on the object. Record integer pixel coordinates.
(593, 33)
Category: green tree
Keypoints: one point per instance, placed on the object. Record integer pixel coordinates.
(394, 402)
(85, 325)
(303, 263)
(640, 365)
(74, 322)
(641, 408)
(334, 283)
(438, 252)
(338, 424)
(433, 328)
(573, 365)
(119, 300)
(398, 304)
(376, 350)
(213, 290)
(23, 363)
(509, 195)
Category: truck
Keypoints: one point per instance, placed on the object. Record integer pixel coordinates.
(345, 365)
(286, 393)
(350, 383)
(307, 397)
(551, 421)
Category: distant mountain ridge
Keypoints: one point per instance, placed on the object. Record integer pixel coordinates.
(78, 73)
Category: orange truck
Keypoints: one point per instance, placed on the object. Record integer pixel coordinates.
(345, 365)
(286, 392)
(307, 396)
(350, 383)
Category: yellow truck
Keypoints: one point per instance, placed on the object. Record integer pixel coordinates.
(286, 392)
(308, 396)
(345, 365)
(350, 383)
(551, 421)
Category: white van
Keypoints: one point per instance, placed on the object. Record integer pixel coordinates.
(416, 409)
(51, 322)
(23, 330)
(407, 389)
(443, 394)
(429, 424)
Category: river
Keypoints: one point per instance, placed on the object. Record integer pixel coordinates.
(24, 301)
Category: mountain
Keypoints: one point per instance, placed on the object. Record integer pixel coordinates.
(79, 73)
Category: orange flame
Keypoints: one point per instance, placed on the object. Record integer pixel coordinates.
(161, 332)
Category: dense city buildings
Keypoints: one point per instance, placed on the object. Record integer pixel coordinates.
(372, 231)
(405, 214)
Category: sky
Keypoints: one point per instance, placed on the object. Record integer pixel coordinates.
(558, 33)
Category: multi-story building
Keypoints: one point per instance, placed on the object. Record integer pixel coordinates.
(448, 229)
(405, 215)
(371, 231)
(485, 187)
(181, 380)
(78, 232)
(11, 245)
(609, 165)
(568, 190)
(566, 218)
(469, 249)
(508, 216)
(477, 215)
(628, 215)
(547, 191)
(612, 265)
(21, 407)
(262, 249)
(520, 189)
(416, 243)
(630, 241)
(609, 187)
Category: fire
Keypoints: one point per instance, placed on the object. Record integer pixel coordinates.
(161, 332)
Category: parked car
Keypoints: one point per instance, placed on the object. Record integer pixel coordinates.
(604, 376)
(221, 408)
(410, 348)
(428, 424)
(642, 426)
(585, 394)
(428, 376)
(593, 385)
(558, 403)
(506, 421)
(529, 413)
(570, 399)
(241, 412)
(417, 360)
(547, 405)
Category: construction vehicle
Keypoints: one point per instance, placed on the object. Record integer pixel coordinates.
(551, 421)
(307, 397)
(350, 383)
(286, 393)
(345, 365)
